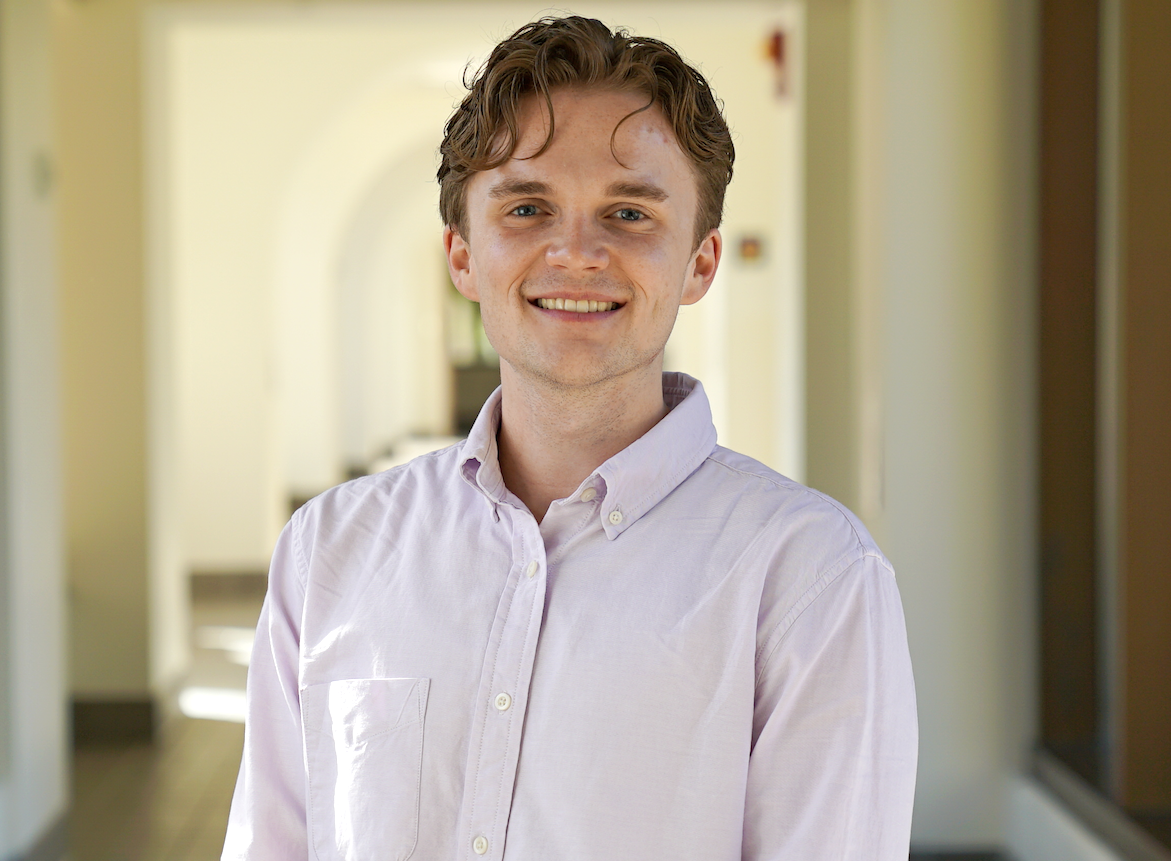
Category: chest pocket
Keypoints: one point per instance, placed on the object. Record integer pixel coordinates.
(364, 756)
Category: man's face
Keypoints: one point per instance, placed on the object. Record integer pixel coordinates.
(575, 225)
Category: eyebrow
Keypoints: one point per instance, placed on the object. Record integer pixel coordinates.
(638, 190)
(531, 188)
(517, 188)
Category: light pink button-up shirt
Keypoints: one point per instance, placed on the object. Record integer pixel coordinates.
(691, 657)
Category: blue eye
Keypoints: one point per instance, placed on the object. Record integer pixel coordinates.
(525, 210)
(630, 215)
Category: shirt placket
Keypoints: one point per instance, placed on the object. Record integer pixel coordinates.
(494, 750)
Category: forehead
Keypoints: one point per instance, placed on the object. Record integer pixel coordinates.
(596, 133)
(604, 111)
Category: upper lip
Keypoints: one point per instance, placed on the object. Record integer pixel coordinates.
(577, 297)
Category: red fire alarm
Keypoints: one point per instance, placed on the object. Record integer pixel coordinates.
(775, 50)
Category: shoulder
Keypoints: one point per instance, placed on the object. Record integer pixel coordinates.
(373, 507)
(812, 527)
(800, 540)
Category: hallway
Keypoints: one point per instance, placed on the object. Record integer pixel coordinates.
(969, 188)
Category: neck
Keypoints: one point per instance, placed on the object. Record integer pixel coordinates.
(552, 437)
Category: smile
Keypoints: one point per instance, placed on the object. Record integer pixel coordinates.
(580, 306)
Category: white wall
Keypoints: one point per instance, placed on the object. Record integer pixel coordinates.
(947, 235)
(33, 748)
(359, 274)
(381, 327)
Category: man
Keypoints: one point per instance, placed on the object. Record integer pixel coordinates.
(588, 632)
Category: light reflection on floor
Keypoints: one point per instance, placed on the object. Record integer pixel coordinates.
(214, 644)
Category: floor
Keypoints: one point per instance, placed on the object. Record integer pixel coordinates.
(168, 800)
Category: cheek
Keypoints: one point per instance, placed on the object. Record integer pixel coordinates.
(665, 279)
(489, 318)
(502, 264)
(646, 259)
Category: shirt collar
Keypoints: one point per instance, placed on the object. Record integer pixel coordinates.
(633, 481)
(480, 463)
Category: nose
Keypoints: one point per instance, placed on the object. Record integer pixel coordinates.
(578, 245)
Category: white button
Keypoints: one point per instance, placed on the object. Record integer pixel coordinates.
(502, 702)
(588, 494)
(532, 569)
(480, 845)
(615, 516)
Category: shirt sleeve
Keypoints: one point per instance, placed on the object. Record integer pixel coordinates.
(835, 735)
(267, 819)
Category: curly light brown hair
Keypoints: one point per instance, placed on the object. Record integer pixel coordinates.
(582, 52)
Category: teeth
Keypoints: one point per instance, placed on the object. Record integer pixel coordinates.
(582, 306)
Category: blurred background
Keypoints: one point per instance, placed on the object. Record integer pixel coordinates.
(946, 301)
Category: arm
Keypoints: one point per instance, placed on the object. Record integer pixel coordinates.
(267, 820)
(835, 738)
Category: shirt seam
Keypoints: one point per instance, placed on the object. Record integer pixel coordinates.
(808, 597)
(791, 486)
(860, 550)
(301, 570)
(301, 563)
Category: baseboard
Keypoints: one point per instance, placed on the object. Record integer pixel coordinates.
(1042, 828)
(52, 845)
(206, 585)
(1078, 814)
(103, 722)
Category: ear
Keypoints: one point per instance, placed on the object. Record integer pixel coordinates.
(459, 263)
(701, 269)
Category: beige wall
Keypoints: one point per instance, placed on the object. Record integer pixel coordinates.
(34, 781)
(955, 222)
(831, 410)
(97, 102)
(920, 364)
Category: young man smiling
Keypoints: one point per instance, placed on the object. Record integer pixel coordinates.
(606, 214)
(588, 632)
